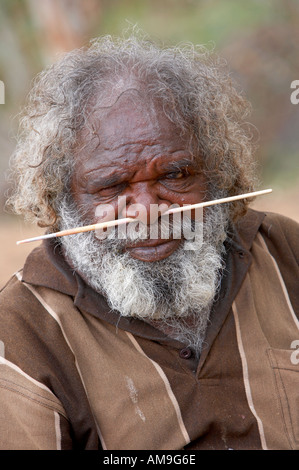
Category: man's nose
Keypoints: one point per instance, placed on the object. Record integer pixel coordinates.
(144, 203)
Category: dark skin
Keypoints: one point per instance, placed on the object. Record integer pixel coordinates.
(141, 155)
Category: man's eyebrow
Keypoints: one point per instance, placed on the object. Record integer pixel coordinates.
(179, 164)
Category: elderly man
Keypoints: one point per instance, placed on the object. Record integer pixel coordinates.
(135, 342)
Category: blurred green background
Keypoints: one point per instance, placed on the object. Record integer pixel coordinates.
(259, 39)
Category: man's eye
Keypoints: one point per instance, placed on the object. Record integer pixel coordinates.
(175, 175)
(111, 190)
(179, 180)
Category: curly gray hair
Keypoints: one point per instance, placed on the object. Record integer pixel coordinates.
(196, 93)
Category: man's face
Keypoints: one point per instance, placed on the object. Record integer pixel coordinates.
(138, 154)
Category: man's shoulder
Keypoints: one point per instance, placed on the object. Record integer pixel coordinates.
(13, 291)
(17, 301)
(21, 306)
(280, 236)
(280, 219)
(276, 229)
(281, 231)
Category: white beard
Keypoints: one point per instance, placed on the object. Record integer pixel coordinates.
(175, 294)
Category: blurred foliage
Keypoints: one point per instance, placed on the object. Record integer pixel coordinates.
(192, 20)
(259, 39)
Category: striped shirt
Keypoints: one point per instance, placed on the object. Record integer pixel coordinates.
(76, 375)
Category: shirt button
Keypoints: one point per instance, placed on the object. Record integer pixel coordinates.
(185, 353)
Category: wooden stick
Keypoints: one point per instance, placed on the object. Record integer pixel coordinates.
(73, 231)
(217, 201)
(112, 223)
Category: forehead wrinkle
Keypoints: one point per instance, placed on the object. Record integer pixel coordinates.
(139, 145)
(128, 159)
(128, 167)
(114, 174)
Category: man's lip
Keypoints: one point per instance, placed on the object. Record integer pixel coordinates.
(153, 250)
(151, 242)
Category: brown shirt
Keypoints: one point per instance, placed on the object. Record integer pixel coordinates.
(76, 375)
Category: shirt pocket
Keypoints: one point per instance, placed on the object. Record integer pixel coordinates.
(285, 365)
